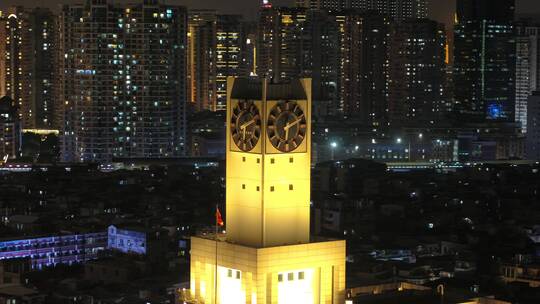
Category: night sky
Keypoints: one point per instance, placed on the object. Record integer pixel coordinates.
(441, 10)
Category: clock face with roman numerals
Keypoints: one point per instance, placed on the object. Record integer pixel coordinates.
(245, 125)
(286, 126)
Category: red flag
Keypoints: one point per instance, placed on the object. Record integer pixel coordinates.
(219, 219)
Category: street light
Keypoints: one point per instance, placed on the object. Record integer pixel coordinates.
(399, 141)
(333, 146)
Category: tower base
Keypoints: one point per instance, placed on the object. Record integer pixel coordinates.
(293, 274)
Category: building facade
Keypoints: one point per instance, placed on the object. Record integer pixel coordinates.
(53, 250)
(27, 45)
(201, 59)
(138, 240)
(282, 47)
(215, 46)
(230, 44)
(527, 68)
(123, 90)
(396, 9)
(300, 42)
(484, 59)
(363, 66)
(416, 77)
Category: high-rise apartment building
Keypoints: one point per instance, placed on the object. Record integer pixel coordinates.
(322, 65)
(230, 43)
(215, 46)
(363, 66)
(282, 48)
(345, 54)
(297, 42)
(527, 68)
(354, 47)
(324, 4)
(484, 58)
(27, 45)
(123, 90)
(396, 9)
(248, 64)
(417, 72)
(15, 37)
(201, 59)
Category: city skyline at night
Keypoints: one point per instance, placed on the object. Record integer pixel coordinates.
(269, 152)
(440, 10)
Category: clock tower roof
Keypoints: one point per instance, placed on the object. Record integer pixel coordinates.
(251, 88)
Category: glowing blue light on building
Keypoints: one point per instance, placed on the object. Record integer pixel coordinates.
(494, 111)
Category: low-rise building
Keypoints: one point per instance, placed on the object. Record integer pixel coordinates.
(55, 249)
(529, 274)
(138, 240)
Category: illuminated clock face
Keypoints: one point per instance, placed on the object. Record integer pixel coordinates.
(245, 125)
(286, 126)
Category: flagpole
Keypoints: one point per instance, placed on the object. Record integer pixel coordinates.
(215, 271)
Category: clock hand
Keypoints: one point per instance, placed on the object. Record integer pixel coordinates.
(244, 127)
(290, 125)
(247, 124)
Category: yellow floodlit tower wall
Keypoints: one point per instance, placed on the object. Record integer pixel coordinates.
(267, 256)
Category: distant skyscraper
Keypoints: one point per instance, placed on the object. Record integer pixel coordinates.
(27, 46)
(323, 63)
(527, 68)
(364, 66)
(396, 9)
(201, 59)
(230, 42)
(123, 81)
(281, 45)
(324, 4)
(296, 42)
(248, 65)
(417, 72)
(533, 126)
(484, 58)
(267, 41)
(215, 46)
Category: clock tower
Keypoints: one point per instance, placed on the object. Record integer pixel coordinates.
(267, 255)
(268, 162)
